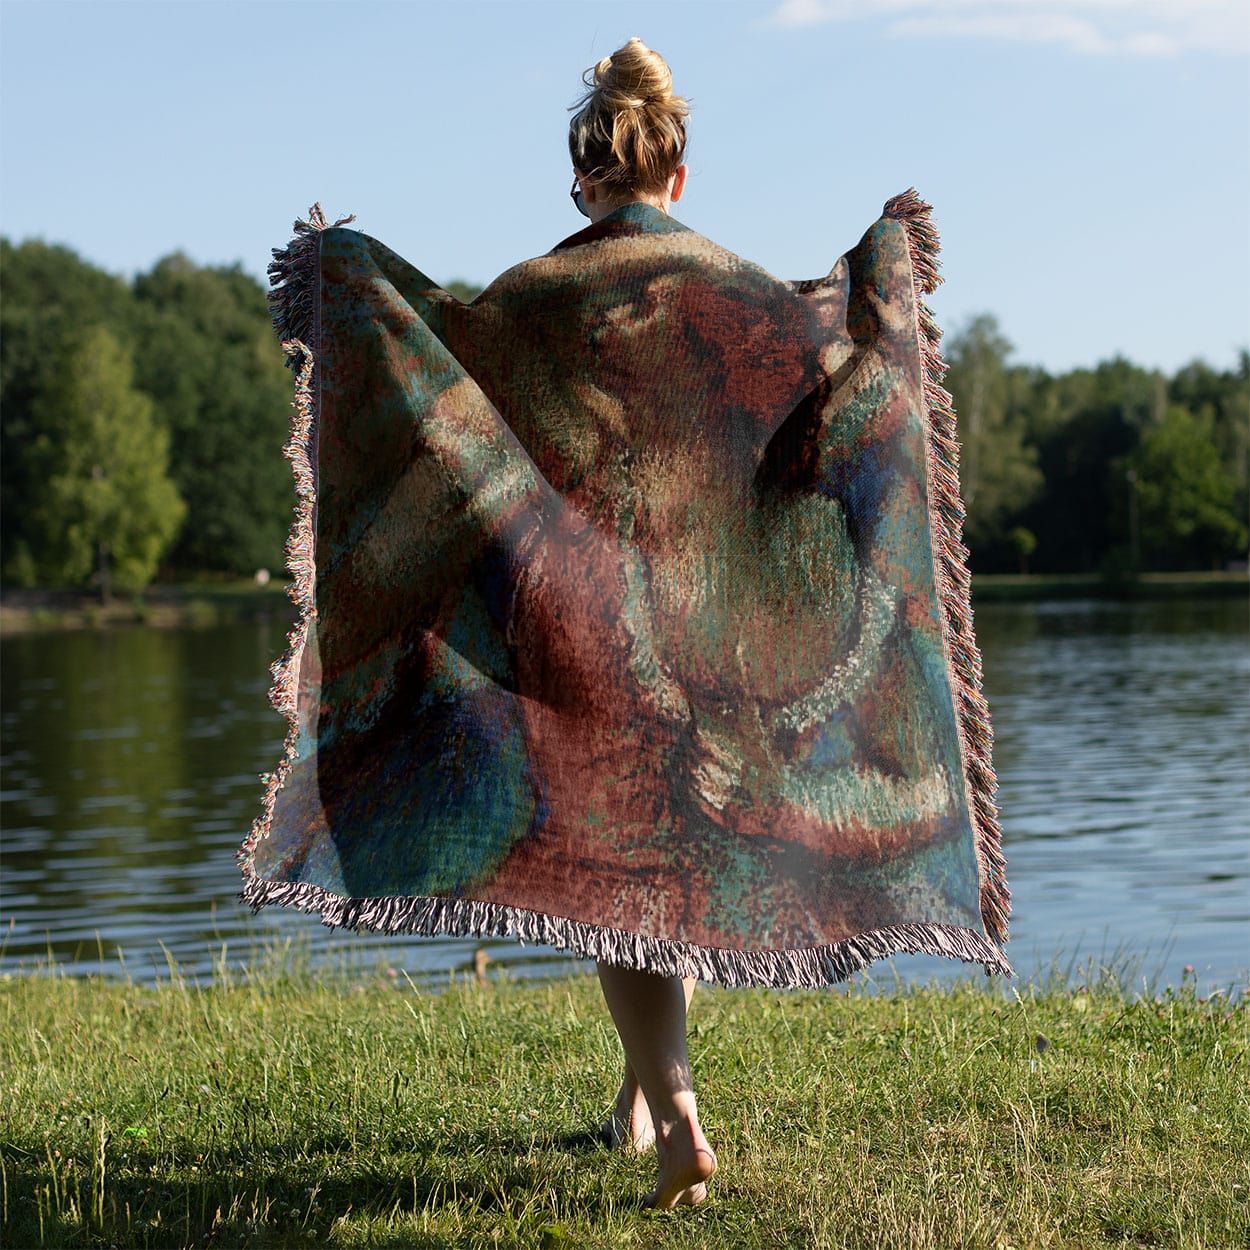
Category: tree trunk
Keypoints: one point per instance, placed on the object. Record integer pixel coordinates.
(105, 575)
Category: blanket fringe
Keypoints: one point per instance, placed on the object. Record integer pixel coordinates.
(783, 969)
(294, 275)
(954, 584)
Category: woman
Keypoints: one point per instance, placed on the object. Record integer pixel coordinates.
(634, 614)
(628, 141)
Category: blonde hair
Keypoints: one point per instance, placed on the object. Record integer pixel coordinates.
(629, 133)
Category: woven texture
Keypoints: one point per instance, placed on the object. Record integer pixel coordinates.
(634, 616)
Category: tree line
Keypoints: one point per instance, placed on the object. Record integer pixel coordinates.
(142, 423)
(1113, 470)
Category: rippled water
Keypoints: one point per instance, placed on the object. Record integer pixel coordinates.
(130, 762)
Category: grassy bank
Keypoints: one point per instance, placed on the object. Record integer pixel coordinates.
(287, 1110)
(166, 606)
(215, 603)
(997, 587)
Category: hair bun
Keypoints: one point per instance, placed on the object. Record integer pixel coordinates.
(630, 129)
(634, 75)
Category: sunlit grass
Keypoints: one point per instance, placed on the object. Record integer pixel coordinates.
(278, 1107)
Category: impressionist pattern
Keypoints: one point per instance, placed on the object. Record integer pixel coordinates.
(626, 625)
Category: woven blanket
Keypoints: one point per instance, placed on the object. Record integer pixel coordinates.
(634, 615)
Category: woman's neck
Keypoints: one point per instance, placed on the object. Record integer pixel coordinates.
(602, 208)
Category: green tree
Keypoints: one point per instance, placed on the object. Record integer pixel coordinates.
(465, 292)
(1024, 543)
(997, 468)
(1221, 397)
(208, 356)
(1185, 494)
(1085, 424)
(106, 505)
(51, 296)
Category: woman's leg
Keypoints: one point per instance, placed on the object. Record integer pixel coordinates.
(629, 1124)
(650, 1015)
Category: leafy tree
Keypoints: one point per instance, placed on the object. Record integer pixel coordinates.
(105, 502)
(997, 467)
(208, 356)
(1024, 543)
(1085, 429)
(1223, 399)
(465, 292)
(51, 298)
(1186, 494)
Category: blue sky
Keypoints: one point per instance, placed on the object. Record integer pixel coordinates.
(1088, 160)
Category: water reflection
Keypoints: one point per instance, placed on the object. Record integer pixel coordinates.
(131, 762)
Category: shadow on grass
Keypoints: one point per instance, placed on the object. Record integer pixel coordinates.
(256, 1198)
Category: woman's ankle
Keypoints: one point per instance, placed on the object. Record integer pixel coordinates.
(677, 1112)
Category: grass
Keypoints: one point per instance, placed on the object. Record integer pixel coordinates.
(286, 1108)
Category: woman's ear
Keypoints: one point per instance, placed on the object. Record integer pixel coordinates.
(678, 184)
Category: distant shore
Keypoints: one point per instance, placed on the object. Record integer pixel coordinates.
(1000, 587)
(174, 605)
(191, 604)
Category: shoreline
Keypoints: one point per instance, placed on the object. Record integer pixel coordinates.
(173, 606)
(205, 604)
(1022, 587)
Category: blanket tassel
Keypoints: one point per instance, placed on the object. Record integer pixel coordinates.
(809, 968)
(954, 583)
(294, 274)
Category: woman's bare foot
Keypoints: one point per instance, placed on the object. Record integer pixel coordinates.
(649, 1011)
(686, 1165)
(629, 1126)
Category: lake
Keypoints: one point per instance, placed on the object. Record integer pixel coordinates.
(130, 776)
